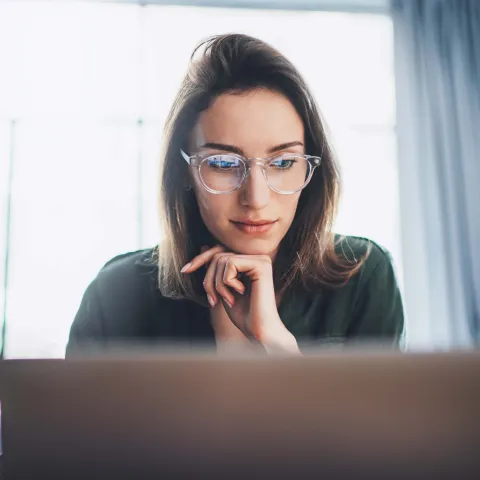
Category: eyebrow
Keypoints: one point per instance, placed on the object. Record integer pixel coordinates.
(239, 151)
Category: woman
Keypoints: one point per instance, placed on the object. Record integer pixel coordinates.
(249, 190)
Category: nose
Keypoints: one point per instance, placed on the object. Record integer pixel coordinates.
(255, 193)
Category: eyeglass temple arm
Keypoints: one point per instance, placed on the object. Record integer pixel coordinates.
(316, 160)
(186, 157)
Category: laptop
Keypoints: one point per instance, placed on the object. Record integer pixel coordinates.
(331, 415)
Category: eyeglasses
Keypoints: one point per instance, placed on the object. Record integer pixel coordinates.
(224, 173)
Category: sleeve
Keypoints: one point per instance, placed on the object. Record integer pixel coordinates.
(87, 329)
(380, 314)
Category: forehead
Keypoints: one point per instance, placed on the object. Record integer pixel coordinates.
(254, 121)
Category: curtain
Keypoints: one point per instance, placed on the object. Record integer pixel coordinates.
(437, 56)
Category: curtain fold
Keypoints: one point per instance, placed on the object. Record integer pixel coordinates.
(437, 55)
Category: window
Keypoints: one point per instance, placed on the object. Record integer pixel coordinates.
(82, 107)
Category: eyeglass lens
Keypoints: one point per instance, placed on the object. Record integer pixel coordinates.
(223, 173)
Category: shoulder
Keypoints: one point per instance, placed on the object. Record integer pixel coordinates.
(353, 249)
(130, 267)
(126, 286)
(377, 308)
(131, 261)
(118, 302)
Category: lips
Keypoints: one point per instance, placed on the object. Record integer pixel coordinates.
(254, 222)
(254, 227)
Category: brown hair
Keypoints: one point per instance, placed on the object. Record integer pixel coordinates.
(307, 255)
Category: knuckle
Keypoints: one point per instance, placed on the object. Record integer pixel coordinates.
(222, 290)
(208, 278)
(210, 292)
(224, 259)
(207, 287)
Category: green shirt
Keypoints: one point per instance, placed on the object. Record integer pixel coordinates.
(124, 306)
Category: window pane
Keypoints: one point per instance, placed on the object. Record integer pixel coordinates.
(74, 206)
(5, 130)
(346, 58)
(370, 200)
(68, 59)
(151, 148)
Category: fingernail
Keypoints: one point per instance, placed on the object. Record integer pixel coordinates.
(240, 292)
(211, 301)
(228, 303)
(186, 267)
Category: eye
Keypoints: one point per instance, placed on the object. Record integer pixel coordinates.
(282, 163)
(222, 162)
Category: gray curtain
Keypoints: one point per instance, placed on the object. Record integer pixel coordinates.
(437, 55)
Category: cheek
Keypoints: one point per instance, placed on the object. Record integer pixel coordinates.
(288, 206)
(213, 209)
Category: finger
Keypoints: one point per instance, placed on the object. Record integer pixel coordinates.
(253, 266)
(209, 280)
(232, 280)
(236, 284)
(202, 259)
(220, 286)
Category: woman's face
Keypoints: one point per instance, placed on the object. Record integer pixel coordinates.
(258, 123)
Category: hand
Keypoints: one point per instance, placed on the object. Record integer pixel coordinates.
(243, 285)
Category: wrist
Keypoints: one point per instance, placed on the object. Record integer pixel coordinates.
(277, 339)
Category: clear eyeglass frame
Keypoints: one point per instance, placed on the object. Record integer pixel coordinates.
(196, 161)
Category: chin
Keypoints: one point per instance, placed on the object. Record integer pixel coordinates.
(253, 247)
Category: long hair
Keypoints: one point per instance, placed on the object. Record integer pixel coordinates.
(307, 255)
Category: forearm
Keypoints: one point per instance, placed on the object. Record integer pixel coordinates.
(278, 341)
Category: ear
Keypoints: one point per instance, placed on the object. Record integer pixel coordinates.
(191, 179)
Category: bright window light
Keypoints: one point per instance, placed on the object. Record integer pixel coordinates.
(84, 92)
